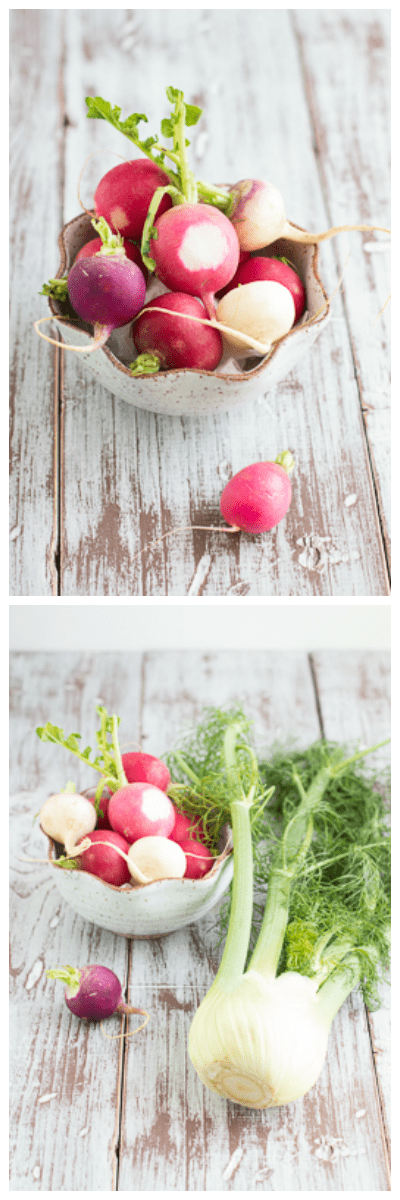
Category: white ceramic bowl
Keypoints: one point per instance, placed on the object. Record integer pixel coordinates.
(186, 391)
(150, 909)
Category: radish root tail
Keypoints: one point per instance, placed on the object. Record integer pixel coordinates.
(119, 1036)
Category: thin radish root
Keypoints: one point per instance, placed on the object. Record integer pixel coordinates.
(183, 529)
(299, 235)
(63, 345)
(119, 1036)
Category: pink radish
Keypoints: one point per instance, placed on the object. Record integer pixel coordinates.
(145, 768)
(173, 343)
(195, 250)
(258, 497)
(199, 859)
(258, 216)
(103, 860)
(124, 194)
(141, 810)
(93, 992)
(277, 269)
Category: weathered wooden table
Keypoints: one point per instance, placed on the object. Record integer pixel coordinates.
(90, 1116)
(295, 96)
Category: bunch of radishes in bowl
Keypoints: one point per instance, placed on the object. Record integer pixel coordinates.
(131, 832)
(197, 244)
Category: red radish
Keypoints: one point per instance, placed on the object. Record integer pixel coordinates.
(107, 292)
(258, 216)
(195, 250)
(124, 194)
(186, 827)
(101, 806)
(103, 860)
(140, 810)
(132, 252)
(258, 497)
(174, 343)
(145, 768)
(276, 269)
(92, 993)
(199, 859)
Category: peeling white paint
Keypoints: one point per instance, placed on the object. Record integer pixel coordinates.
(233, 1163)
(34, 975)
(351, 500)
(45, 1099)
(15, 533)
(225, 469)
(200, 575)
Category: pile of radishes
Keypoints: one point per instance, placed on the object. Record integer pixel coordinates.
(193, 239)
(128, 829)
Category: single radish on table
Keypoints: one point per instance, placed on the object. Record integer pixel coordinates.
(145, 768)
(141, 810)
(93, 993)
(163, 341)
(258, 497)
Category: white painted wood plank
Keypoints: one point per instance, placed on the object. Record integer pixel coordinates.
(346, 59)
(137, 475)
(35, 144)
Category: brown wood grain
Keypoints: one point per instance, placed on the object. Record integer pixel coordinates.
(125, 476)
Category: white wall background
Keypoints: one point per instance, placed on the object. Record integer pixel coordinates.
(106, 625)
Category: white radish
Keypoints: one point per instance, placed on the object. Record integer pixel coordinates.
(153, 858)
(67, 817)
(258, 216)
(264, 310)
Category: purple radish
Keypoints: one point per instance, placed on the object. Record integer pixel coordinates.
(92, 993)
(95, 245)
(123, 195)
(173, 343)
(196, 250)
(106, 292)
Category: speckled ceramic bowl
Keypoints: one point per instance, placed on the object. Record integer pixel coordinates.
(150, 909)
(186, 391)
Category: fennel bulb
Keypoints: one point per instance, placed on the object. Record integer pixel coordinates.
(260, 1035)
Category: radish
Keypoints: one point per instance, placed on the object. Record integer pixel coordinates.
(152, 858)
(106, 292)
(124, 194)
(145, 768)
(66, 818)
(259, 218)
(101, 858)
(264, 311)
(141, 810)
(163, 341)
(258, 497)
(186, 827)
(130, 250)
(93, 993)
(278, 269)
(196, 250)
(198, 858)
